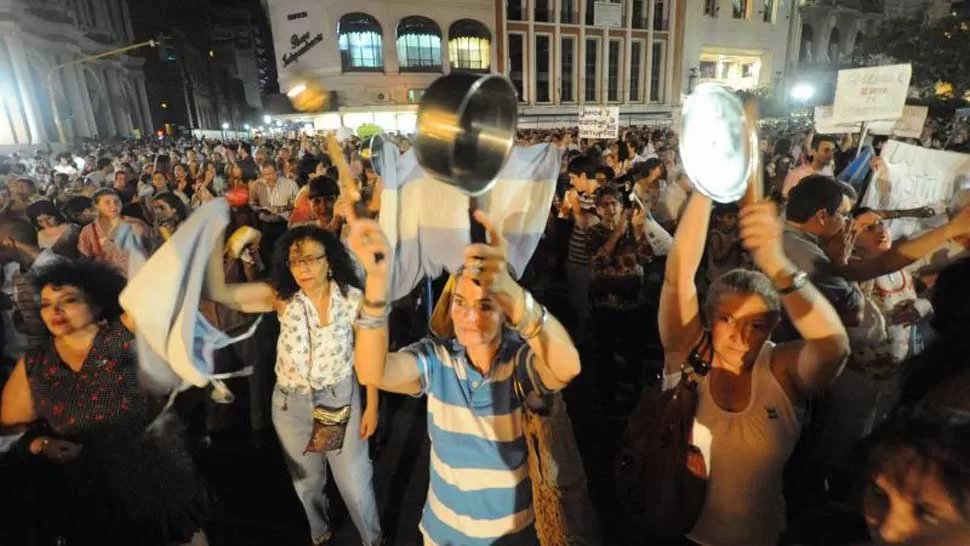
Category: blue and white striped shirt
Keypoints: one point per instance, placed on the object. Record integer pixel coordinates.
(479, 492)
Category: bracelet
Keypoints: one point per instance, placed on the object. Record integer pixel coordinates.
(528, 312)
(375, 304)
(537, 326)
(370, 322)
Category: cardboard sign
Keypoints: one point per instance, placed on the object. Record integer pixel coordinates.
(825, 125)
(916, 177)
(869, 94)
(910, 125)
(599, 122)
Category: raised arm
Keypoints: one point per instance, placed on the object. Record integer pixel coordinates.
(249, 297)
(906, 252)
(679, 318)
(812, 363)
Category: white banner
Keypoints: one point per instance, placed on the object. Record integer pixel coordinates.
(599, 122)
(824, 124)
(874, 93)
(910, 125)
(608, 14)
(916, 177)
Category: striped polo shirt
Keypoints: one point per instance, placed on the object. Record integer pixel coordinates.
(579, 252)
(479, 491)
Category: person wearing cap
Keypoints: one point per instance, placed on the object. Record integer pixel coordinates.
(112, 237)
(324, 205)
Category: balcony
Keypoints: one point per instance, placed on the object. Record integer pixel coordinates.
(865, 6)
(544, 15)
(569, 17)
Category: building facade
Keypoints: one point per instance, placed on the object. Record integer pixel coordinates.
(375, 58)
(745, 44)
(563, 54)
(204, 75)
(99, 99)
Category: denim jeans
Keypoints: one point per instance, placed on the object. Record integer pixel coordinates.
(352, 469)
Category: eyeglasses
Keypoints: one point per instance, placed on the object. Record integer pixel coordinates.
(304, 262)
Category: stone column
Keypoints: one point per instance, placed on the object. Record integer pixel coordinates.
(11, 94)
(126, 22)
(109, 117)
(86, 106)
(30, 102)
(148, 122)
(123, 123)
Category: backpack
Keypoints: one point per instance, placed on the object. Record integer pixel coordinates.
(661, 477)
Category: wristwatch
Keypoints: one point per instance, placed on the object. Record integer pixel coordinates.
(798, 279)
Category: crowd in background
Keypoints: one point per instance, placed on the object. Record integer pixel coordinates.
(837, 405)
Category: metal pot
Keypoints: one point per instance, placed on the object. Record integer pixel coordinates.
(466, 128)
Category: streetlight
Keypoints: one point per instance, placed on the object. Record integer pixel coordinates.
(247, 127)
(267, 119)
(802, 92)
(50, 74)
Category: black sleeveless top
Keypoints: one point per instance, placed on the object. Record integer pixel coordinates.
(105, 391)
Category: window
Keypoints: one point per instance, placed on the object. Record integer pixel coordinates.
(661, 15)
(567, 69)
(590, 12)
(613, 71)
(514, 10)
(517, 64)
(469, 46)
(414, 95)
(639, 21)
(658, 71)
(361, 45)
(769, 14)
(636, 70)
(592, 57)
(710, 8)
(568, 15)
(739, 9)
(543, 11)
(543, 69)
(419, 45)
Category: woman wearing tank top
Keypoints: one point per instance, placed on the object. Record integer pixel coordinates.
(749, 406)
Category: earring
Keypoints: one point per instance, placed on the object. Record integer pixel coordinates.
(330, 274)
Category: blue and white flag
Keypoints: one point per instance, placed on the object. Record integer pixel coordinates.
(426, 220)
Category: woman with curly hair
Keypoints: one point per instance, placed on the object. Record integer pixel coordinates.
(114, 469)
(316, 293)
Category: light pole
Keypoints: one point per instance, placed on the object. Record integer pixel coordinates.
(50, 74)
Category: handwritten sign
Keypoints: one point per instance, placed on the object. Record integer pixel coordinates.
(825, 125)
(599, 122)
(916, 177)
(874, 93)
(910, 125)
(299, 45)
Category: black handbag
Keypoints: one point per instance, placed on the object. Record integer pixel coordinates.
(329, 422)
(661, 476)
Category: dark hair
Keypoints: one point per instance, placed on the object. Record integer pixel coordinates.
(932, 445)
(173, 201)
(582, 165)
(814, 193)
(268, 164)
(726, 208)
(341, 264)
(650, 165)
(819, 139)
(622, 152)
(102, 192)
(103, 162)
(101, 283)
(44, 207)
(77, 204)
(247, 147)
(306, 168)
(323, 186)
(859, 211)
(163, 165)
(610, 191)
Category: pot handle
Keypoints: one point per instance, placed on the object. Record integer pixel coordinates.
(477, 229)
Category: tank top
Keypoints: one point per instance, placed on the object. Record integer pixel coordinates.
(746, 453)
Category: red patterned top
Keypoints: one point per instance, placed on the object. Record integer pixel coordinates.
(105, 391)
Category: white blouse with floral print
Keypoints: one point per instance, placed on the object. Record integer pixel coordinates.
(331, 346)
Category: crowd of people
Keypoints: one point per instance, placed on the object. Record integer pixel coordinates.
(836, 392)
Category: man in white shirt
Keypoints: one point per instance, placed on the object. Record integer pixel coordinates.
(823, 152)
(274, 192)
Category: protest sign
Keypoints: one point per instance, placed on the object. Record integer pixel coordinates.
(916, 177)
(910, 125)
(824, 125)
(608, 14)
(599, 122)
(874, 93)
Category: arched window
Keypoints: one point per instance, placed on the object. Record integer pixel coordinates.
(469, 45)
(419, 45)
(806, 52)
(361, 45)
(835, 47)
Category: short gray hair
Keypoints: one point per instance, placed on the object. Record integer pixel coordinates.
(741, 281)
